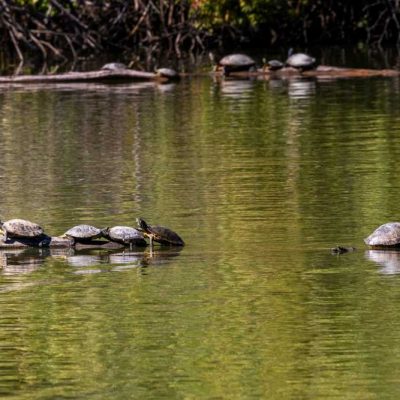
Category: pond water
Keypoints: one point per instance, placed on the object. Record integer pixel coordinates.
(260, 178)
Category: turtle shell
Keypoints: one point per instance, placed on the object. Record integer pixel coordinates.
(125, 234)
(275, 65)
(385, 235)
(22, 228)
(236, 63)
(161, 234)
(83, 232)
(115, 66)
(167, 73)
(237, 60)
(301, 61)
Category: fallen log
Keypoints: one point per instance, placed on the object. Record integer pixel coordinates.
(322, 71)
(337, 72)
(55, 242)
(90, 76)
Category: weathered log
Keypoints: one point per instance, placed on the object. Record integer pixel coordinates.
(90, 76)
(98, 244)
(55, 242)
(329, 71)
(321, 71)
(41, 241)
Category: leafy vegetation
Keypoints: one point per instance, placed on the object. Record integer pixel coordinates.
(68, 29)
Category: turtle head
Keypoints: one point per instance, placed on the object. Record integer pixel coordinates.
(215, 66)
(105, 231)
(143, 227)
(211, 57)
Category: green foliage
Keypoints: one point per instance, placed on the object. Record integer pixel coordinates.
(294, 21)
(240, 12)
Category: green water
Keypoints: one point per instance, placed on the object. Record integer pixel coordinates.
(261, 179)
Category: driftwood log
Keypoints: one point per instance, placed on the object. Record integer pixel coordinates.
(321, 71)
(133, 75)
(90, 76)
(55, 242)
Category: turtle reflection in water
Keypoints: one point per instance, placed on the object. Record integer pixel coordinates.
(20, 228)
(160, 234)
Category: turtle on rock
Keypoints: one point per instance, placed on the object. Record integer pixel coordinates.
(21, 228)
(386, 235)
(83, 233)
(124, 235)
(160, 234)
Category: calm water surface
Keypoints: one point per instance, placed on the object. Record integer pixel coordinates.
(261, 179)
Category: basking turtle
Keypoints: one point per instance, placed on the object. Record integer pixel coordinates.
(274, 65)
(83, 233)
(235, 63)
(300, 61)
(20, 228)
(167, 73)
(385, 235)
(114, 66)
(124, 235)
(160, 234)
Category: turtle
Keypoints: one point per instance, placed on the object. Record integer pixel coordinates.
(167, 73)
(342, 249)
(300, 61)
(160, 234)
(275, 65)
(83, 233)
(114, 66)
(385, 235)
(21, 228)
(125, 235)
(235, 63)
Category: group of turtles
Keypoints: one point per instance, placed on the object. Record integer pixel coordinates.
(236, 62)
(242, 62)
(385, 236)
(20, 228)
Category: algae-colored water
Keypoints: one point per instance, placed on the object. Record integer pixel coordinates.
(261, 179)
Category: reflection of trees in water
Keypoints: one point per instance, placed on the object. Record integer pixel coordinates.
(388, 259)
